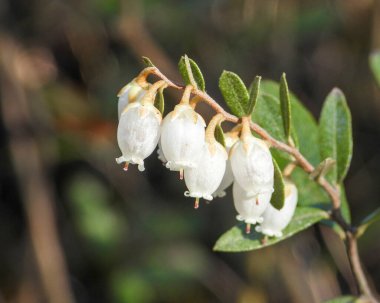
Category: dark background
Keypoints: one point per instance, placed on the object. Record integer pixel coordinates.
(74, 225)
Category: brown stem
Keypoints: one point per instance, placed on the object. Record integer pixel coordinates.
(300, 160)
(353, 256)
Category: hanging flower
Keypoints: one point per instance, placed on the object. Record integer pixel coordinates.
(182, 137)
(132, 92)
(138, 133)
(276, 220)
(230, 139)
(205, 178)
(250, 208)
(251, 163)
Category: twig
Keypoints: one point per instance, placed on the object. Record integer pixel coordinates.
(301, 161)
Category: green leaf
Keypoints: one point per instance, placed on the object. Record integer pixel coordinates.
(369, 220)
(278, 197)
(374, 63)
(253, 94)
(219, 135)
(285, 105)
(268, 115)
(335, 134)
(234, 93)
(147, 62)
(159, 101)
(236, 240)
(344, 299)
(191, 73)
(304, 124)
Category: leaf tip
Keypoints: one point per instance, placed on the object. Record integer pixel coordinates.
(337, 91)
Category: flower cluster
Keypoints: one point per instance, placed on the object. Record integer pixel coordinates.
(207, 167)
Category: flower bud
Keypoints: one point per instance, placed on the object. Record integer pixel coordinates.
(182, 137)
(252, 166)
(130, 93)
(205, 178)
(250, 208)
(228, 178)
(276, 220)
(138, 133)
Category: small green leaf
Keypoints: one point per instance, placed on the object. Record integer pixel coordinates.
(219, 135)
(285, 105)
(344, 299)
(374, 63)
(234, 93)
(236, 240)
(147, 62)
(335, 134)
(367, 221)
(253, 94)
(191, 73)
(159, 101)
(278, 197)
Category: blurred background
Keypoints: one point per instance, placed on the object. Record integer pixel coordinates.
(76, 228)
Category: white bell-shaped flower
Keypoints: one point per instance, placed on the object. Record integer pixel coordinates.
(182, 137)
(250, 208)
(276, 220)
(132, 92)
(252, 166)
(138, 133)
(228, 178)
(203, 179)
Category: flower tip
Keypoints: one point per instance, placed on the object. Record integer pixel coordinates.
(125, 168)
